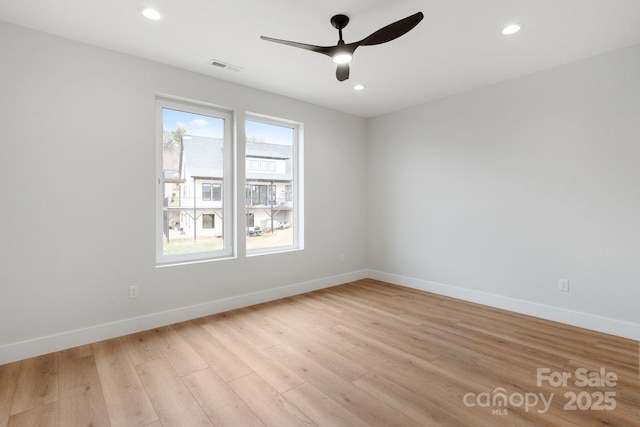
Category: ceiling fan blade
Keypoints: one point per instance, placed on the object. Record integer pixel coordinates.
(326, 50)
(342, 72)
(391, 31)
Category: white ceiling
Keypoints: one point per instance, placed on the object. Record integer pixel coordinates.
(457, 47)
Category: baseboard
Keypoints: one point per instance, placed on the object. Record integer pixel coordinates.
(69, 339)
(557, 314)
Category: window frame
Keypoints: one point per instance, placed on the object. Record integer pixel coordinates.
(297, 182)
(226, 186)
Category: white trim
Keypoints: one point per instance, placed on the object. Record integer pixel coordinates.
(594, 322)
(69, 339)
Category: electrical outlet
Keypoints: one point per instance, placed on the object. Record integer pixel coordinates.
(563, 285)
(341, 257)
(133, 291)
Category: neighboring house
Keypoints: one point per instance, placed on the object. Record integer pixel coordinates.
(193, 194)
(269, 185)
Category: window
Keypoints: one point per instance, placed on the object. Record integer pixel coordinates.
(211, 192)
(194, 182)
(208, 221)
(273, 185)
(260, 195)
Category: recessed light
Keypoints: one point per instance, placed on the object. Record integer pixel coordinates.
(358, 87)
(511, 29)
(150, 13)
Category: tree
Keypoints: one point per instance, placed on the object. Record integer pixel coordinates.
(253, 138)
(174, 137)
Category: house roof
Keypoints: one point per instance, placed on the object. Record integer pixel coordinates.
(268, 151)
(202, 158)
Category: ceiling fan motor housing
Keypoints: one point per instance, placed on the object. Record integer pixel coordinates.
(339, 21)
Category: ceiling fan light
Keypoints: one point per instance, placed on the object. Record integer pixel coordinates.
(150, 13)
(342, 58)
(511, 29)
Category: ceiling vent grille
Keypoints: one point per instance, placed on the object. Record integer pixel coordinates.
(225, 65)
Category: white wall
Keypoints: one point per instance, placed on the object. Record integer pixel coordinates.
(77, 157)
(495, 194)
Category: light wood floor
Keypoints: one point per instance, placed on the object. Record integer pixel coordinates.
(361, 354)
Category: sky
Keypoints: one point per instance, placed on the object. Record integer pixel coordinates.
(269, 133)
(195, 124)
(213, 127)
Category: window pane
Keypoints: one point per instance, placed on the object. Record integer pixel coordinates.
(206, 192)
(271, 149)
(216, 192)
(194, 160)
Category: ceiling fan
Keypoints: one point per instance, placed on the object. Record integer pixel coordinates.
(342, 53)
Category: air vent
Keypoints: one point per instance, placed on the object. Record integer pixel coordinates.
(224, 65)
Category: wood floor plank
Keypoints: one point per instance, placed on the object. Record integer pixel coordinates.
(170, 397)
(371, 344)
(77, 352)
(309, 303)
(220, 359)
(370, 299)
(182, 357)
(406, 341)
(37, 383)
(426, 378)
(277, 375)
(8, 384)
(221, 404)
(45, 416)
(322, 410)
(143, 346)
(81, 401)
(164, 343)
(127, 402)
(272, 408)
(314, 329)
(372, 314)
(239, 321)
(511, 352)
(427, 312)
(319, 299)
(303, 342)
(324, 318)
(343, 392)
(415, 405)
